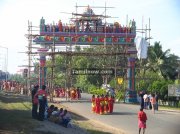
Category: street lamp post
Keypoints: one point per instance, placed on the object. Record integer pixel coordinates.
(6, 61)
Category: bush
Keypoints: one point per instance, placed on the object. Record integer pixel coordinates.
(119, 96)
(95, 91)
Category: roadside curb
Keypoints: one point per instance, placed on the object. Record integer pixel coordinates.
(168, 110)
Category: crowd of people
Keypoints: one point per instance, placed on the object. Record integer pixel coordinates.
(149, 101)
(71, 93)
(102, 104)
(59, 116)
(39, 99)
(13, 86)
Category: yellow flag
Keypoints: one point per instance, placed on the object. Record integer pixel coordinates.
(120, 81)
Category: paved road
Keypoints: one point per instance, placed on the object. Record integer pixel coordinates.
(125, 117)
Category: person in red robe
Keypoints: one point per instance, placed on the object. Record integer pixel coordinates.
(102, 104)
(106, 107)
(97, 103)
(93, 100)
(111, 104)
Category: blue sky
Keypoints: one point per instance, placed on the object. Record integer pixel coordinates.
(14, 14)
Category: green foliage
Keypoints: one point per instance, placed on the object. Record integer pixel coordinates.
(160, 87)
(162, 62)
(144, 84)
(18, 78)
(113, 82)
(158, 67)
(177, 81)
(82, 82)
(95, 91)
(120, 95)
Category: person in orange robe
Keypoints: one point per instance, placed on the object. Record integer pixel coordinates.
(106, 108)
(102, 104)
(111, 104)
(72, 94)
(97, 103)
(93, 99)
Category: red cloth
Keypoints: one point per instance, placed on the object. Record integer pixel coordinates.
(93, 105)
(142, 119)
(35, 99)
(110, 104)
(142, 116)
(102, 105)
(97, 101)
(41, 94)
(106, 108)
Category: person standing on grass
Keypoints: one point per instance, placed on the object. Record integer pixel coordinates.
(145, 97)
(141, 100)
(157, 99)
(34, 102)
(142, 120)
(42, 98)
(153, 102)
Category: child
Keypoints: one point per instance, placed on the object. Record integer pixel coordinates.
(65, 118)
(142, 120)
(50, 110)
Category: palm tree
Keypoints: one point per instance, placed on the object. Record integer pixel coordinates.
(162, 62)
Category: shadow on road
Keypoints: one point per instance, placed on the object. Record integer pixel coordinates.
(123, 113)
(13, 98)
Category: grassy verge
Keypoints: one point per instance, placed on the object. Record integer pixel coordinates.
(15, 118)
(169, 108)
(15, 115)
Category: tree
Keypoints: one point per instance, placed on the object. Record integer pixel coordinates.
(162, 62)
(18, 78)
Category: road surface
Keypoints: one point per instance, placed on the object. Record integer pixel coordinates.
(124, 117)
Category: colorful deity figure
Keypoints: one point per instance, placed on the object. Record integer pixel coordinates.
(77, 25)
(116, 27)
(50, 27)
(133, 27)
(60, 26)
(42, 25)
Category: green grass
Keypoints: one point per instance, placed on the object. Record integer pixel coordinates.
(15, 115)
(169, 108)
(91, 128)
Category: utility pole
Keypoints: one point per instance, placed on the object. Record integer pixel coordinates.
(5, 62)
(52, 66)
(28, 82)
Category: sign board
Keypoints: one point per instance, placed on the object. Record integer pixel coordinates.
(92, 71)
(174, 90)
